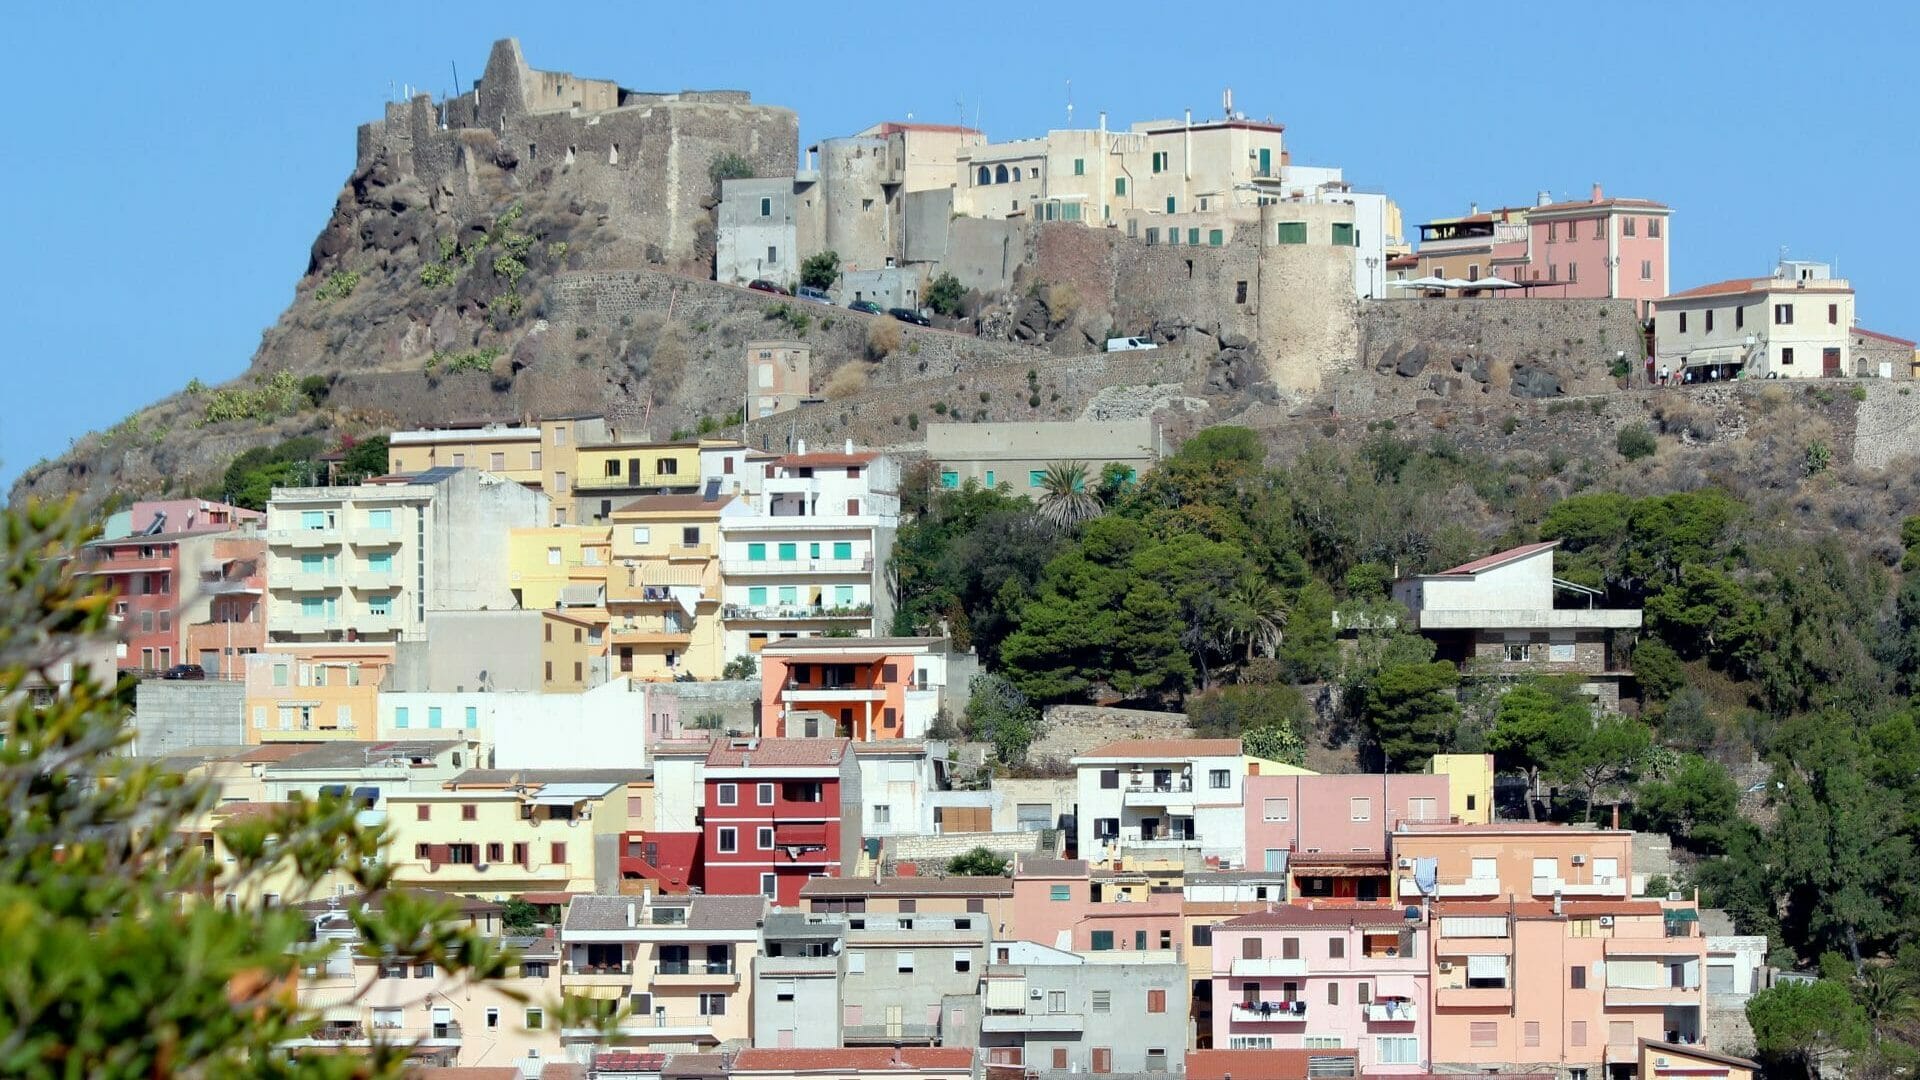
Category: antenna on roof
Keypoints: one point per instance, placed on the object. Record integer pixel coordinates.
(1069, 102)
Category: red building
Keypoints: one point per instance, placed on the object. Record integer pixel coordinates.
(777, 812)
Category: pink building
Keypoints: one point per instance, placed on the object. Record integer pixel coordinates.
(1300, 977)
(1512, 862)
(1600, 248)
(1060, 904)
(1568, 987)
(1313, 826)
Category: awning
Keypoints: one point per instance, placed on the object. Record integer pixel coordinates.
(800, 835)
(582, 595)
(1338, 871)
(568, 794)
(1683, 915)
(597, 993)
(341, 1014)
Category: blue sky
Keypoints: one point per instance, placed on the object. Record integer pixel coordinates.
(169, 166)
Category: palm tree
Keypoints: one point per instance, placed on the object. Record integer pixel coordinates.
(1064, 499)
(1887, 997)
(1260, 615)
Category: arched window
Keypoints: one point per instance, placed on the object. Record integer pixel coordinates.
(1000, 175)
(1016, 174)
(985, 176)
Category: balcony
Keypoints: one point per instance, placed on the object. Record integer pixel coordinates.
(368, 539)
(1458, 946)
(642, 485)
(1612, 888)
(303, 539)
(1392, 1011)
(697, 975)
(651, 632)
(306, 584)
(1468, 887)
(1031, 1023)
(1270, 1012)
(1644, 996)
(1271, 967)
(436, 1036)
(1527, 619)
(659, 1025)
(804, 695)
(1176, 795)
(889, 1033)
(620, 974)
(1163, 843)
(796, 612)
(374, 580)
(1473, 997)
(1689, 947)
(745, 567)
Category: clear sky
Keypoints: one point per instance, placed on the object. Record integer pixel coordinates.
(167, 166)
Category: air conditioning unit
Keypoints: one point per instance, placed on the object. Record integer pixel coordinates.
(1606, 920)
(1446, 965)
(1579, 860)
(1035, 994)
(1405, 863)
(1659, 1063)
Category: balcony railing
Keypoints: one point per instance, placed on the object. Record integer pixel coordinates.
(773, 612)
(1409, 889)
(624, 967)
(1270, 1012)
(1394, 1010)
(1270, 966)
(741, 567)
(303, 538)
(889, 1032)
(1652, 995)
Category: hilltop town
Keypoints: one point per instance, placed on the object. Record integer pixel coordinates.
(1114, 601)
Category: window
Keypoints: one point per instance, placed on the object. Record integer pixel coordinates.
(1783, 314)
(1683, 322)
(728, 795)
(1484, 1033)
(1360, 809)
(1653, 227)
(903, 961)
(690, 536)
(1193, 237)
(769, 885)
(1060, 893)
(1079, 166)
(1102, 941)
(1577, 977)
(1626, 226)
(1646, 269)
(1396, 1050)
(1553, 232)
(1275, 810)
(1239, 292)
(473, 716)
(536, 1019)
(1156, 1001)
(1292, 232)
(1120, 186)
(1573, 271)
(763, 838)
(713, 1004)
(1343, 234)
(1159, 161)
(1786, 357)
(1216, 237)
(1333, 993)
(642, 534)
(558, 853)
(1833, 314)
(766, 207)
(1336, 948)
(1102, 1059)
(1578, 1035)
(1546, 869)
(1289, 948)
(469, 812)
(949, 479)
(400, 716)
(763, 794)
(433, 716)
(423, 812)
(756, 596)
(1739, 317)
(1173, 235)
(882, 814)
(1219, 779)
(728, 840)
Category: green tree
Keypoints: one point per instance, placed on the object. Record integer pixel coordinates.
(1275, 742)
(1606, 760)
(1807, 1026)
(945, 294)
(1259, 613)
(979, 862)
(1695, 806)
(115, 966)
(728, 166)
(1267, 719)
(1413, 712)
(999, 713)
(744, 666)
(520, 917)
(1063, 500)
(1635, 442)
(820, 270)
(1537, 727)
(364, 457)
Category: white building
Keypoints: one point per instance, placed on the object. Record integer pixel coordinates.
(534, 730)
(367, 562)
(808, 551)
(898, 779)
(1376, 222)
(1796, 324)
(1162, 799)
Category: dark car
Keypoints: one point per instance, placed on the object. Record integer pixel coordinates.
(184, 671)
(910, 315)
(867, 306)
(763, 285)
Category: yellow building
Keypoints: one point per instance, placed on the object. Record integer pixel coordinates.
(510, 452)
(573, 649)
(1469, 785)
(663, 590)
(310, 693)
(684, 965)
(521, 832)
(555, 565)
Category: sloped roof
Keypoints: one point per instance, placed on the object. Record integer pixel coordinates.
(1498, 558)
(775, 753)
(1294, 915)
(1041, 868)
(1864, 332)
(609, 912)
(674, 503)
(907, 886)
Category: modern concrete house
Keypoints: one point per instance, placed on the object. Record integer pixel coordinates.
(861, 688)
(1016, 456)
(797, 979)
(1161, 799)
(900, 969)
(1503, 615)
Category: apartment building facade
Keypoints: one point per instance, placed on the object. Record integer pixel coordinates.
(542, 835)
(315, 692)
(1052, 1012)
(506, 450)
(234, 581)
(901, 972)
(1329, 834)
(1797, 324)
(777, 812)
(663, 587)
(1017, 456)
(864, 688)
(681, 967)
(162, 565)
(1160, 799)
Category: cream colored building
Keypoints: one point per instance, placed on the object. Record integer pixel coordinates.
(1017, 455)
(925, 152)
(449, 1020)
(501, 449)
(1797, 324)
(779, 376)
(680, 968)
(314, 692)
(537, 833)
(663, 589)
(558, 565)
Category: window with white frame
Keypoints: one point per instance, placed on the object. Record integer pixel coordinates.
(727, 840)
(1219, 779)
(729, 794)
(1396, 1050)
(1360, 809)
(1250, 1042)
(764, 795)
(1275, 810)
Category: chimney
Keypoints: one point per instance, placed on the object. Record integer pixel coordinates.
(799, 446)
(849, 446)
(1545, 198)
(1596, 191)
(1473, 208)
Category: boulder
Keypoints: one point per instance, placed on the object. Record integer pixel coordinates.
(1235, 341)
(1534, 382)
(1412, 362)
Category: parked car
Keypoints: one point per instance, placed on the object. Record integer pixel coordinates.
(910, 315)
(818, 296)
(763, 285)
(1129, 344)
(184, 671)
(867, 306)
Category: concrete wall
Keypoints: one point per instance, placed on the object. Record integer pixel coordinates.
(941, 848)
(1013, 452)
(1125, 1027)
(746, 234)
(174, 716)
(468, 530)
(471, 650)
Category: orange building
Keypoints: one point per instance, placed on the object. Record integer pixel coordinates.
(851, 688)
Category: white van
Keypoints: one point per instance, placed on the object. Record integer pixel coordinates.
(1129, 344)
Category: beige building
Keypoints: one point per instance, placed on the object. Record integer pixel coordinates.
(680, 967)
(663, 589)
(591, 465)
(535, 833)
(501, 449)
(779, 376)
(448, 1020)
(1797, 324)
(314, 692)
(1017, 455)
(925, 152)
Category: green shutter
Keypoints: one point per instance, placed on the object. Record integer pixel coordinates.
(1266, 161)
(789, 594)
(843, 596)
(989, 479)
(843, 549)
(756, 553)
(1169, 204)
(1103, 941)
(1342, 234)
(1193, 237)
(789, 552)
(949, 479)
(1079, 166)
(1215, 237)
(1037, 478)
(1293, 232)
(1120, 186)
(757, 596)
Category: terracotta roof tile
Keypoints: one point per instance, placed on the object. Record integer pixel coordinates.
(774, 753)
(1254, 1064)
(1730, 287)
(1488, 562)
(1165, 748)
(824, 458)
(680, 502)
(1294, 915)
(853, 1059)
(1864, 332)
